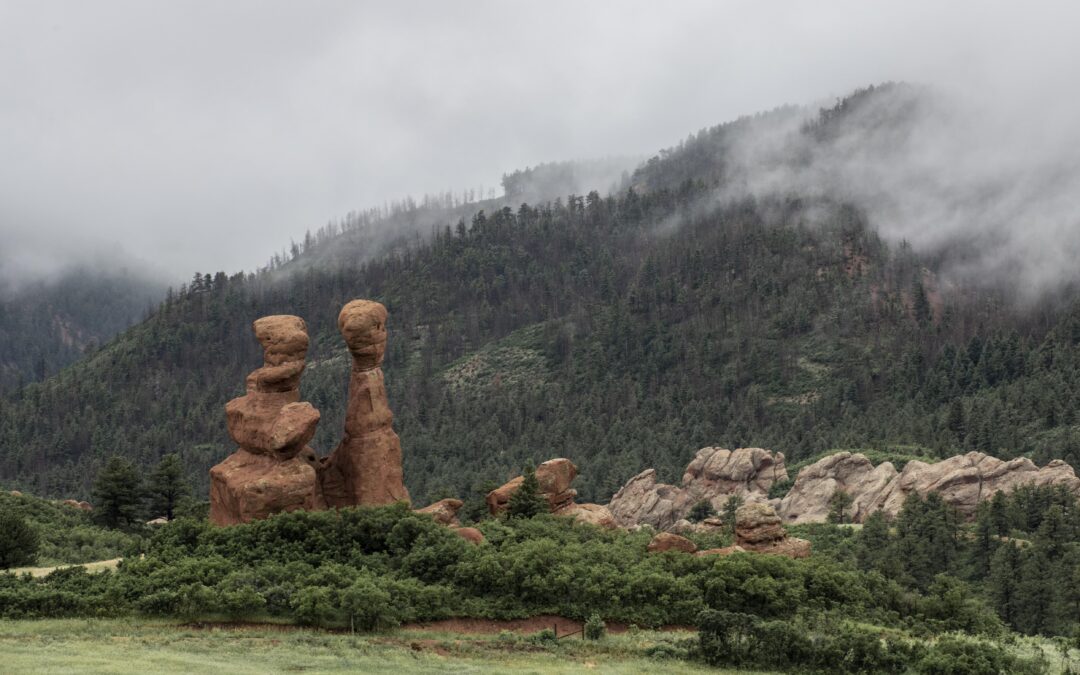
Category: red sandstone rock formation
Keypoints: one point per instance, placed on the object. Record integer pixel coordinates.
(554, 477)
(365, 469)
(713, 475)
(273, 470)
(666, 541)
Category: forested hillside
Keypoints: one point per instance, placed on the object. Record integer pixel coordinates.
(47, 325)
(623, 331)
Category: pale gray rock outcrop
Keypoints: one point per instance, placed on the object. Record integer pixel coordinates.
(808, 499)
(713, 475)
(962, 481)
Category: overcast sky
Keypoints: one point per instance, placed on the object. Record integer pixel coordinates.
(204, 135)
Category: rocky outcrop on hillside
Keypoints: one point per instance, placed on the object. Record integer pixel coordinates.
(808, 499)
(965, 480)
(365, 468)
(962, 481)
(554, 477)
(273, 470)
(713, 475)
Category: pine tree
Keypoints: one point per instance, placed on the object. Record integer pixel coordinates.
(527, 501)
(118, 494)
(168, 486)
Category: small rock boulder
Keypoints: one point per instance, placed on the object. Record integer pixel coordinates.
(443, 511)
(758, 530)
(667, 541)
(470, 534)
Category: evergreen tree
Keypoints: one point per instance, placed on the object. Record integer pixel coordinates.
(1004, 584)
(527, 501)
(838, 506)
(18, 541)
(985, 541)
(730, 507)
(118, 494)
(700, 511)
(168, 486)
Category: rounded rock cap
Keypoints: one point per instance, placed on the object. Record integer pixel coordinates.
(363, 325)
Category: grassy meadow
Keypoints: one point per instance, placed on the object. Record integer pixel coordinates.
(127, 646)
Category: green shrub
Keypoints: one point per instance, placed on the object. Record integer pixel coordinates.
(594, 628)
(18, 541)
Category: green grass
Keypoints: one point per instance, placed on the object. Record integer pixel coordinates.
(125, 646)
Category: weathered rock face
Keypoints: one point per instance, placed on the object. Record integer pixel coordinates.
(365, 469)
(808, 499)
(273, 470)
(667, 541)
(962, 481)
(444, 511)
(758, 529)
(713, 475)
(965, 480)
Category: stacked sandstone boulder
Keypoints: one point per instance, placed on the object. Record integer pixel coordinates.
(554, 477)
(273, 470)
(713, 475)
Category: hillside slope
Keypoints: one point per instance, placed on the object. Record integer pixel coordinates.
(623, 332)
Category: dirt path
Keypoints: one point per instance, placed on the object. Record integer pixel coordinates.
(98, 566)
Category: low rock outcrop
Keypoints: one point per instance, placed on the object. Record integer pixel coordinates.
(713, 475)
(593, 514)
(758, 529)
(273, 470)
(962, 481)
(554, 477)
(667, 541)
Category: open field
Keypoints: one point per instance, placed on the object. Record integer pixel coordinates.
(124, 646)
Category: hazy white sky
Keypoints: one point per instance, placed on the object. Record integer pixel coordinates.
(203, 135)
